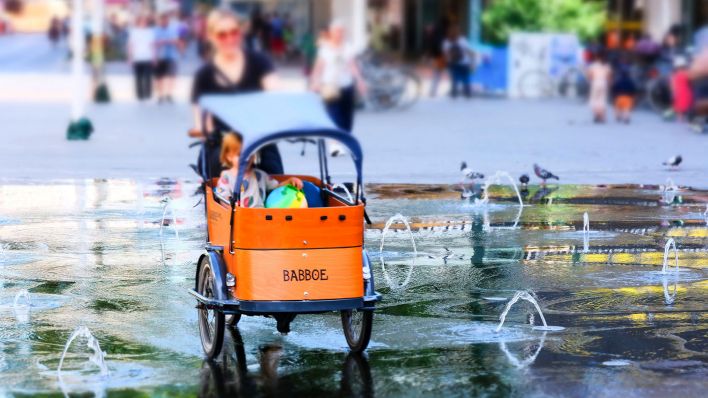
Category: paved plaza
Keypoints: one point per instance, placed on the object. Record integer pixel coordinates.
(423, 144)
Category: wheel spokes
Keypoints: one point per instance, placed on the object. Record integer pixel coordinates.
(356, 322)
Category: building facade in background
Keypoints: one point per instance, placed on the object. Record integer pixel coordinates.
(656, 17)
(402, 23)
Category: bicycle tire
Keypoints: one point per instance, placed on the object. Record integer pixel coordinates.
(412, 83)
(535, 83)
(574, 85)
(658, 95)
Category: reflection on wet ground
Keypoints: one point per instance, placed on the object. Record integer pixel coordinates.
(109, 255)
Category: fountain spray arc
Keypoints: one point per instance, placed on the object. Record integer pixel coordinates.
(167, 205)
(586, 232)
(98, 357)
(22, 294)
(21, 306)
(344, 188)
(526, 296)
(497, 178)
(391, 283)
(670, 296)
(670, 244)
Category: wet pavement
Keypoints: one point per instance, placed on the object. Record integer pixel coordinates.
(98, 253)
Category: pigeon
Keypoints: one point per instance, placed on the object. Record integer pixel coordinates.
(524, 179)
(674, 161)
(544, 174)
(468, 174)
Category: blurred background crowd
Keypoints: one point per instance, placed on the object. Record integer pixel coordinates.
(621, 54)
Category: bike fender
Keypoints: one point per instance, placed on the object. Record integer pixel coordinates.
(369, 288)
(219, 269)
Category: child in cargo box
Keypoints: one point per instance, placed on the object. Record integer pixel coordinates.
(256, 183)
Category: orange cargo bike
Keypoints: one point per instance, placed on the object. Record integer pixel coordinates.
(283, 262)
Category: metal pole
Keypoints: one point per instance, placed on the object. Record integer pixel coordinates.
(100, 90)
(358, 20)
(475, 21)
(620, 10)
(77, 62)
(80, 128)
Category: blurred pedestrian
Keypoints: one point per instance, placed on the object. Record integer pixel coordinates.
(377, 35)
(199, 33)
(277, 36)
(335, 76)
(55, 31)
(670, 49)
(459, 57)
(141, 53)
(698, 73)
(231, 70)
(433, 41)
(289, 38)
(308, 49)
(167, 55)
(257, 31)
(681, 89)
(623, 91)
(599, 75)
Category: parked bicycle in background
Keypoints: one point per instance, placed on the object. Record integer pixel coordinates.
(390, 86)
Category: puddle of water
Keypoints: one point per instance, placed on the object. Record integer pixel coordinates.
(89, 253)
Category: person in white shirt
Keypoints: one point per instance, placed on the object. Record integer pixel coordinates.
(141, 53)
(459, 57)
(335, 75)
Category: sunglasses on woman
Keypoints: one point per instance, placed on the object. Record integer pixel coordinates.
(228, 34)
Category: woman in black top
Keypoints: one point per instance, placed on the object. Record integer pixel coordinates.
(231, 70)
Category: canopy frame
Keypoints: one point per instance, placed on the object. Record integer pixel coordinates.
(298, 116)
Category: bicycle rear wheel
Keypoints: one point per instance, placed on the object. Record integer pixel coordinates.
(659, 95)
(411, 89)
(574, 85)
(357, 326)
(535, 84)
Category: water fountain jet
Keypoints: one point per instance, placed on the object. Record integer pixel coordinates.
(527, 296)
(397, 218)
(669, 245)
(586, 232)
(497, 178)
(20, 295)
(98, 356)
(22, 310)
(669, 191)
(345, 189)
(167, 203)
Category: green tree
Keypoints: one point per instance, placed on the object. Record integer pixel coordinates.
(582, 17)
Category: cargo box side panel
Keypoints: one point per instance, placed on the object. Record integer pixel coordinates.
(326, 227)
(283, 275)
(218, 221)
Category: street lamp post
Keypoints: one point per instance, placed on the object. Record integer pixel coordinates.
(80, 127)
(97, 52)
